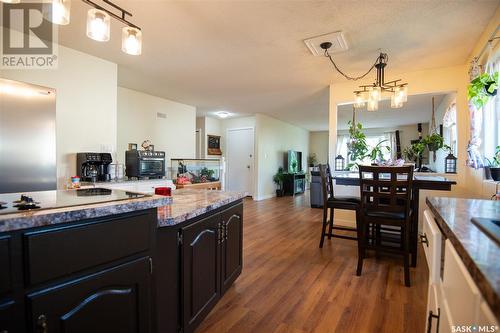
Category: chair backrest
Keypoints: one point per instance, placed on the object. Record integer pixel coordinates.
(326, 182)
(386, 189)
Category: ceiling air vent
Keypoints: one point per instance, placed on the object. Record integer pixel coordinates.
(161, 115)
(337, 39)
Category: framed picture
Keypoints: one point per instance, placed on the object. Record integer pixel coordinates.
(213, 146)
(132, 146)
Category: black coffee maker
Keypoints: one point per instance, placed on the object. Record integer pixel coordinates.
(93, 167)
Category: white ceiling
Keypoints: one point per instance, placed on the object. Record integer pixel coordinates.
(249, 56)
(418, 109)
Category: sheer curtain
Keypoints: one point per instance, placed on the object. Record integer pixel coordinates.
(342, 145)
(491, 113)
(391, 138)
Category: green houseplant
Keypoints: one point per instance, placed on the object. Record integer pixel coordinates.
(312, 160)
(434, 142)
(377, 153)
(357, 146)
(482, 88)
(494, 165)
(278, 180)
(414, 152)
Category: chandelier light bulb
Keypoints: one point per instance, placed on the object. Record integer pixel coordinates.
(375, 93)
(359, 100)
(403, 93)
(131, 41)
(98, 25)
(396, 101)
(57, 11)
(372, 105)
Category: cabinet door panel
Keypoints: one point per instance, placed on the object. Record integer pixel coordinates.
(5, 265)
(200, 270)
(232, 246)
(116, 300)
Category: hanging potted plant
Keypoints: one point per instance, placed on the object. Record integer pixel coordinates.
(482, 88)
(434, 142)
(278, 180)
(494, 165)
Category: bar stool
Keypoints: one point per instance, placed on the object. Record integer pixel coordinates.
(386, 194)
(332, 202)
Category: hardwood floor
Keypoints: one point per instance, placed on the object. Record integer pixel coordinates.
(288, 284)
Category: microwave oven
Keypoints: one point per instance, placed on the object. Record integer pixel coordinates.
(144, 164)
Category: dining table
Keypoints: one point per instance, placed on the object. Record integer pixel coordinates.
(420, 182)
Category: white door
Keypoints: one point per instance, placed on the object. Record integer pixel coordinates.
(240, 160)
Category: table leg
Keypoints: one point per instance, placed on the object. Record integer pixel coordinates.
(414, 228)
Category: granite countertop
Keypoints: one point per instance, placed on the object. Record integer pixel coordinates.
(184, 205)
(478, 251)
(51, 216)
(190, 203)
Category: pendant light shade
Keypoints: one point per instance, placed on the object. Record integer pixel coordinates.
(131, 41)
(375, 93)
(372, 105)
(57, 12)
(396, 100)
(359, 100)
(98, 25)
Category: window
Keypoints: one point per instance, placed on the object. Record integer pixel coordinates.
(491, 115)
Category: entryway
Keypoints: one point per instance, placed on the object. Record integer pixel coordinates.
(240, 160)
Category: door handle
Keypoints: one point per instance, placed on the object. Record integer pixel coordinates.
(41, 324)
(429, 320)
(424, 240)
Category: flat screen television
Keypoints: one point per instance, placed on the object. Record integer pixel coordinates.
(294, 161)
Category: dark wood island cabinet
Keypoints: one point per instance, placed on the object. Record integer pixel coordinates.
(119, 273)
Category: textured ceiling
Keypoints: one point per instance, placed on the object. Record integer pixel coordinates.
(418, 109)
(249, 56)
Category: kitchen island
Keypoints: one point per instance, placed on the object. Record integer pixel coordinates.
(464, 283)
(139, 264)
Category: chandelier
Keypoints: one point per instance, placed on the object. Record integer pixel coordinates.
(98, 21)
(371, 94)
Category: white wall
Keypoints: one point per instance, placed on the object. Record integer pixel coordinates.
(318, 144)
(138, 121)
(85, 105)
(209, 126)
(274, 138)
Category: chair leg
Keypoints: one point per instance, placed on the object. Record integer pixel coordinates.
(330, 229)
(361, 243)
(406, 254)
(325, 209)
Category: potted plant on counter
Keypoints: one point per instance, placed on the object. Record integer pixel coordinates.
(494, 165)
(278, 180)
(377, 153)
(482, 88)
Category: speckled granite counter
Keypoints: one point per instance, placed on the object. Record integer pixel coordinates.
(188, 203)
(51, 216)
(478, 252)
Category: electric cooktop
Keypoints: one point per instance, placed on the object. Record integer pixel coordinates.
(19, 202)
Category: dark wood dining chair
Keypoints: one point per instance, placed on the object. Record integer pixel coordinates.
(386, 194)
(332, 202)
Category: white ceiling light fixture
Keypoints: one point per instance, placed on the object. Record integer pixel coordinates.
(222, 114)
(10, 1)
(131, 41)
(57, 12)
(98, 25)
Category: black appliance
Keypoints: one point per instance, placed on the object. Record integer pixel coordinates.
(145, 164)
(93, 167)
